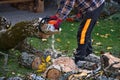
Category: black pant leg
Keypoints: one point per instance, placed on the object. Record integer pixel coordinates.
(84, 32)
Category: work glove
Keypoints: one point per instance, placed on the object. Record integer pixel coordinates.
(50, 25)
(57, 21)
(53, 26)
(54, 17)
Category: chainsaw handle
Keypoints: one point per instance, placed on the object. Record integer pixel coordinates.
(42, 22)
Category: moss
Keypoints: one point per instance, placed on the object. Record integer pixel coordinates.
(16, 34)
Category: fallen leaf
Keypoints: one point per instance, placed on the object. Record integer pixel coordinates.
(112, 30)
(108, 48)
(98, 43)
(44, 40)
(13, 72)
(96, 52)
(102, 36)
(58, 40)
(97, 34)
(68, 42)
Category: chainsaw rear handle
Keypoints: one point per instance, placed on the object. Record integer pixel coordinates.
(42, 22)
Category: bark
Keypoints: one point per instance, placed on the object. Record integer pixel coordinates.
(19, 32)
(59, 66)
(30, 60)
(11, 36)
(111, 65)
(110, 62)
(53, 72)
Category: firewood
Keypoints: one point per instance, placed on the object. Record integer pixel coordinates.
(11, 37)
(67, 64)
(109, 61)
(64, 65)
(53, 72)
(60, 65)
(29, 60)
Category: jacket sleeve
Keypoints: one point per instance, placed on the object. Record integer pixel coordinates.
(64, 8)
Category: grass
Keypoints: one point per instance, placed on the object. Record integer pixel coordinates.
(105, 37)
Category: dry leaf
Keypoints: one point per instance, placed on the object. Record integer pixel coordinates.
(44, 40)
(58, 40)
(108, 48)
(98, 43)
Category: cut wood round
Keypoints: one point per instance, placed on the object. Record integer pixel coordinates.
(53, 72)
(67, 64)
(60, 65)
(29, 60)
(110, 62)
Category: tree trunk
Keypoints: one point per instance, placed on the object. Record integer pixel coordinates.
(11, 37)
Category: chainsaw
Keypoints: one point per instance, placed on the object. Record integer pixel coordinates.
(46, 25)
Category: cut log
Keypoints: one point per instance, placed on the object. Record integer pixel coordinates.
(11, 37)
(110, 62)
(63, 65)
(53, 72)
(67, 64)
(30, 60)
(60, 65)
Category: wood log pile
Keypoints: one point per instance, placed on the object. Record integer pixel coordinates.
(14, 37)
(64, 68)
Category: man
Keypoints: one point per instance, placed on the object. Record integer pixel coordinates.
(90, 10)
